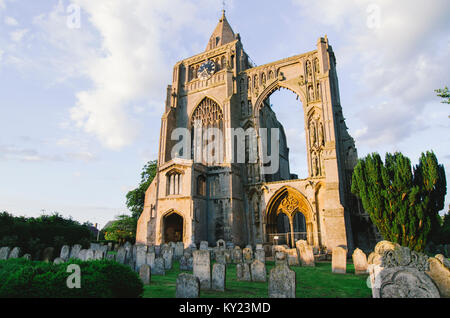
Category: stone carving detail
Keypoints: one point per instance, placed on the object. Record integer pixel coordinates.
(289, 204)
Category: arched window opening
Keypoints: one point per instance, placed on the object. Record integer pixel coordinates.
(174, 183)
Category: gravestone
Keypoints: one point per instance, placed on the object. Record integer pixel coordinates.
(247, 255)
(221, 244)
(187, 286)
(339, 260)
(168, 258)
(282, 282)
(281, 258)
(186, 262)
(94, 246)
(110, 246)
(27, 257)
(158, 268)
(47, 254)
(111, 257)
(179, 251)
(259, 247)
(58, 261)
(218, 277)
(440, 274)
(116, 247)
(237, 255)
(4, 253)
(141, 256)
(75, 250)
(220, 256)
(82, 255)
(260, 255)
(151, 249)
(250, 247)
(292, 257)
(258, 271)
(121, 255)
(360, 262)
(104, 249)
(15, 253)
(98, 254)
(203, 246)
(65, 252)
(243, 272)
(202, 268)
(145, 274)
(89, 255)
(150, 259)
(305, 252)
(227, 254)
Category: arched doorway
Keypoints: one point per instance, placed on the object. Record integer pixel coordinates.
(288, 218)
(173, 228)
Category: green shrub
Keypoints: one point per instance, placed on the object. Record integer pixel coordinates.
(99, 279)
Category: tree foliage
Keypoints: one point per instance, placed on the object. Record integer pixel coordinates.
(121, 230)
(136, 197)
(444, 93)
(402, 202)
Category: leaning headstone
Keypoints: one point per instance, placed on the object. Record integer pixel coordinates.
(47, 254)
(339, 260)
(202, 268)
(258, 271)
(4, 253)
(260, 255)
(58, 261)
(281, 258)
(158, 268)
(243, 272)
(282, 282)
(247, 255)
(144, 273)
(305, 252)
(168, 258)
(218, 277)
(440, 274)
(75, 250)
(186, 263)
(121, 255)
(65, 252)
(359, 262)
(15, 253)
(188, 286)
(237, 255)
(203, 245)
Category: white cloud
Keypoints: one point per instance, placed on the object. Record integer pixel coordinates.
(396, 65)
(11, 21)
(18, 35)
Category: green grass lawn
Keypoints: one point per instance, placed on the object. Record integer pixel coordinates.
(316, 281)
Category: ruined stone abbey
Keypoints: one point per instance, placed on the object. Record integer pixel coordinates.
(192, 201)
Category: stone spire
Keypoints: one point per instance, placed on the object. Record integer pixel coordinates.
(222, 34)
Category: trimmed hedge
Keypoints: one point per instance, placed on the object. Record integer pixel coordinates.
(21, 278)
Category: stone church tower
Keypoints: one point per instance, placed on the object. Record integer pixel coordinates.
(193, 200)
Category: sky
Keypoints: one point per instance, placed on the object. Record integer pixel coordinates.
(82, 86)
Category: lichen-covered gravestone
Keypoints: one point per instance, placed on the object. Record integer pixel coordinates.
(186, 262)
(305, 253)
(258, 271)
(282, 282)
(440, 274)
(360, 262)
(82, 255)
(144, 273)
(202, 268)
(203, 245)
(218, 277)
(47, 255)
(188, 286)
(247, 255)
(150, 259)
(237, 255)
(15, 253)
(243, 272)
(158, 268)
(260, 255)
(121, 255)
(75, 250)
(339, 260)
(179, 251)
(292, 257)
(89, 255)
(280, 258)
(141, 256)
(65, 252)
(4, 253)
(168, 258)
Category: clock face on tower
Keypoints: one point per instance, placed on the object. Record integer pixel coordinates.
(206, 70)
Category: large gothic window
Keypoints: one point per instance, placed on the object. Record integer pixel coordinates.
(207, 133)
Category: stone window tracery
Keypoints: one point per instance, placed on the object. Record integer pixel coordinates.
(174, 183)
